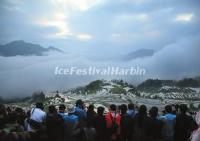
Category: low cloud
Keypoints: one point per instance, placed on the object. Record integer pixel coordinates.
(23, 75)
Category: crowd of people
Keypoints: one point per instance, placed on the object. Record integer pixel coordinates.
(81, 123)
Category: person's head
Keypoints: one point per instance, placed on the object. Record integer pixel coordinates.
(52, 109)
(123, 109)
(142, 110)
(2, 109)
(168, 109)
(100, 110)
(91, 108)
(183, 108)
(153, 112)
(62, 108)
(176, 107)
(18, 110)
(80, 103)
(39, 105)
(113, 107)
(131, 106)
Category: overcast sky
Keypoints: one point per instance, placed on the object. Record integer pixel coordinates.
(98, 32)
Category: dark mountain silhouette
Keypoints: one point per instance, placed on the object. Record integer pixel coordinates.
(141, 53)
(183, 83)
(23, 48)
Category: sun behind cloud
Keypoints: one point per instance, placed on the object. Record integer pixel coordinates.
(184, 17)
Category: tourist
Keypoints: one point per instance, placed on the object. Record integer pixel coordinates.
(55, 125)
(169, 123)
(184, 125)
(156, 125)
(37, 117)
(113, 123)
(126, 123)
(141, 125)
(100, 125)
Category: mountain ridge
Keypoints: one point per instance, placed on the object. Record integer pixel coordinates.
(141, 53)
(22, 48)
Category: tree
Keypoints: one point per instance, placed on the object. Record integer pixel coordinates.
(188, 82)
(94, 86)
(38, 97)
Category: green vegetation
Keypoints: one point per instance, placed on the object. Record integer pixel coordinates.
(189, 82)
(38, 97)
(92, 87)
(155, 83)
(121, 83)
(117, 90)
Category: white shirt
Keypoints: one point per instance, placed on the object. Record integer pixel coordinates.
(38, 115)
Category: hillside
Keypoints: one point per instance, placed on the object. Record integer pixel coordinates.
(102, 92)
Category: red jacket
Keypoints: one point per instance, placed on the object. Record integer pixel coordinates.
(109, 122)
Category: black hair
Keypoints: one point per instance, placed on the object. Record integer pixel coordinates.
(40, 105)
(79, 103)
(113, 107)
(131, 106)
(176, 106)
(153, 112)
(142, 110)
(62, 107)
(123, 109)
(91, 107)
(100, 110)
(52, 109)
(183, 108)
(168, 109)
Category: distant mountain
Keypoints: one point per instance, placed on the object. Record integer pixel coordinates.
(23, 48)
(141, 53)
(156, 84)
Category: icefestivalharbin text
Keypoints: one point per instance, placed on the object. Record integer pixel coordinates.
(92, 70)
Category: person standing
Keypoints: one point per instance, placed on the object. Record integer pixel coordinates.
(55, 125)
(37, 117)
(113, 123)
(169, 120)
(184, 125)
(141, 125)
(156, 125)
(100, 125)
